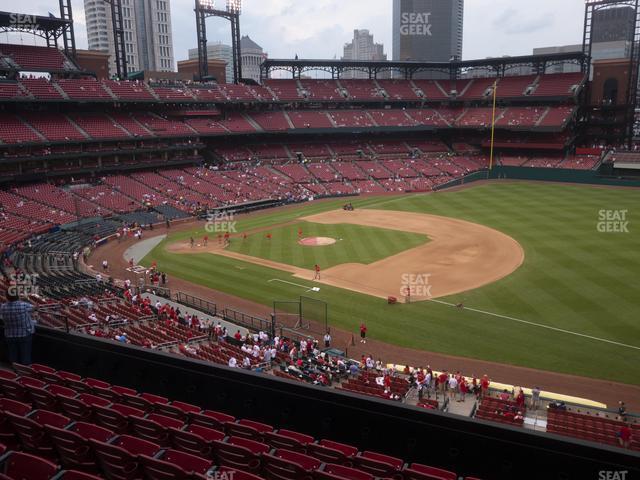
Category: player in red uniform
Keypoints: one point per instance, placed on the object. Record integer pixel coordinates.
(363, 333)
(317, 274)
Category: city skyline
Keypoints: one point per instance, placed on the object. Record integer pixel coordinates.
(286, 28)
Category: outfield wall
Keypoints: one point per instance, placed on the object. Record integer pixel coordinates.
(467, 446)
(564, 175)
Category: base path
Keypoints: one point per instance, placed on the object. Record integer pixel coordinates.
(461, 256)
(597, 389)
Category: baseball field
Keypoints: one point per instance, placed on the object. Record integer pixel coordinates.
(530, 274)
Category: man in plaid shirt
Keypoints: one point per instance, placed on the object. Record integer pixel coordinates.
(18, 328)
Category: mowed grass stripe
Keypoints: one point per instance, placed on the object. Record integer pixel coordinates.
(354, 244)
(555, 224)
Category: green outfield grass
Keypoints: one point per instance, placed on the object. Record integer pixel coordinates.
(354, 244)
(574, 278)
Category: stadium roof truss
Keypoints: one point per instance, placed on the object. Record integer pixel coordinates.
(51, 28)
(408, 69)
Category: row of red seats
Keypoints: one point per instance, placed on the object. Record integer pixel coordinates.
(41, 127)
(95, 427)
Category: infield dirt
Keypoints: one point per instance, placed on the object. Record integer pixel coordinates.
(461, 256)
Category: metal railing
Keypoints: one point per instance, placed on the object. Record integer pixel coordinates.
(248, 321)
(197, 303)
(156, 290)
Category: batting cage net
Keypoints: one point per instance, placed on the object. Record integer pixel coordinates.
(308, 314)
(313, 314)
(287, 313)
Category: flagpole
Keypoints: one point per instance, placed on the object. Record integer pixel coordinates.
(493, 123)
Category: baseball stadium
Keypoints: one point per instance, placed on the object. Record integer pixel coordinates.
(404, 270)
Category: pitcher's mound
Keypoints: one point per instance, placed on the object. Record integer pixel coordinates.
(317, 241)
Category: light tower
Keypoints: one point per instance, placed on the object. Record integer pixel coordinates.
(118, 39)
(205, 9)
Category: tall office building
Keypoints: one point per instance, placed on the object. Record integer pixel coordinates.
(612, 38)
(362, 47)
(252, 57)
(427, 30)
(217, 51)
(147, 33)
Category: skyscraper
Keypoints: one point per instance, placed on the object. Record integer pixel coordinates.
(362, 47)
(218, 51)
(252, 57)
(147, 33)
(427, 30)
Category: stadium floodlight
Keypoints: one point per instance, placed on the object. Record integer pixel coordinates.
(234, 6)
(210, 4)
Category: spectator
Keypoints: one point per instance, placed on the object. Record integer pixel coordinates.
(233, 363)
(484, 385)
(238, 335)
(463, 389)
(327, 339)
(105, 266)
(520, 399)
(18, 328)
(505, 395)
(535, 398)
(453, 387)
(622, 411)
(624, 436)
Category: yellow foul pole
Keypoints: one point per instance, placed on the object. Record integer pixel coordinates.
(493, 123)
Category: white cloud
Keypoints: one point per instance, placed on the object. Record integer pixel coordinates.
(320, 28)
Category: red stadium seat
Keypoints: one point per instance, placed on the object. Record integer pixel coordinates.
(119, 460)
(378, 464)
(116, 416)
(81, 407)
(248, 429)
(75, 475)
(74, 451)
(178, 410)
(32, 433)
(174, 465)
(288, 439)
(332, 452)
(417, 471)
(287, 465)
(210, 418)
(195, 439)
(240, 453)
(23, 466)
(155, 428)
(331, 471)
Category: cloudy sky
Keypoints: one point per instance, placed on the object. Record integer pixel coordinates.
(320, 28)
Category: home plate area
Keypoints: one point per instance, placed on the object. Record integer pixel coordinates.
(316, 241)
